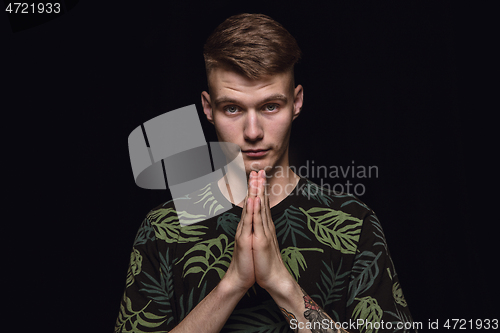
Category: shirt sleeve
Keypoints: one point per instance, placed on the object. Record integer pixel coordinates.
(146, 303)
(375, 298)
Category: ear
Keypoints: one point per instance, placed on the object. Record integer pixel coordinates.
(207, 106)
(298, 100)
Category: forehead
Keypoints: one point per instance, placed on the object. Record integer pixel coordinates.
(223, 82)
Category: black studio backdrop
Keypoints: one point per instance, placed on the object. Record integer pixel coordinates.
(380, 89)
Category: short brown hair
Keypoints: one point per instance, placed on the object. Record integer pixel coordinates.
(253, 45)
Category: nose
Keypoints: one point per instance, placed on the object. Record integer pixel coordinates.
(253, 130)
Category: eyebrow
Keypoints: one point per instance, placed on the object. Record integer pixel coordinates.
(274, 97)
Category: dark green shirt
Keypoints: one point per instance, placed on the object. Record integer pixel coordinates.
(333, 245)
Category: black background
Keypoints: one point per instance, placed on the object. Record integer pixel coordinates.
(380, 88)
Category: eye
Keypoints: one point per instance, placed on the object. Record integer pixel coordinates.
(231, 109)
(271, 107)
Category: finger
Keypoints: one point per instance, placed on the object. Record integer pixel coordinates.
(258, 227)
(259, 186)
(243, 214)
(266, 216)
(246, 221)
(268, 208)
(252, 184)
(266, 192)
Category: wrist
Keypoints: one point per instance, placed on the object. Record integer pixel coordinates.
(227, 286)
(283, 288)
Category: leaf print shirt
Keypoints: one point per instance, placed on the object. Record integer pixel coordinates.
(332, 244)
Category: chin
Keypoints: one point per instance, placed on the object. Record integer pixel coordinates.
(256, 166)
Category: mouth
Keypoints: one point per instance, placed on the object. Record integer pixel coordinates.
(255, 152)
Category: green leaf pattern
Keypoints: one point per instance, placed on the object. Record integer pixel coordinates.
(134, 266)
(291, 223)
(332, 286)
(293, 259)
(228, 222)
(365, 271)
(335, 228)
(332, 245)
(216, 255)
(207, 199)
(130, 320)
(165, 223)
(368, 310)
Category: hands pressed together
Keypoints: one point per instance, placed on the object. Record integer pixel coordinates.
(256, 259)
(256, 256)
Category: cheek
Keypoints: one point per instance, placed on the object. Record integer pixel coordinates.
(281, 128)
(220, 126)
(226, 131)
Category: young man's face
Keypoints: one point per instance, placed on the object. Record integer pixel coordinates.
(256, 115)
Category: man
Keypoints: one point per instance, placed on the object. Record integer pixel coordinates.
(290, 257)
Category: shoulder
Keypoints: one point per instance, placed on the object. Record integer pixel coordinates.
(321, 197)
(156, 224)
(174, 222)
(336, 220)
(192, 208)
(164, 212)
(163, 209)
